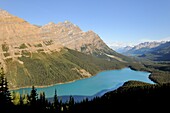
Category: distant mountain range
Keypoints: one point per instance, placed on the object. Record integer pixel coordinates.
(53, 53)
(159, 51)
(124, 49)
(143, 47)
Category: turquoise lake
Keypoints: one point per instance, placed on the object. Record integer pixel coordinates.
(106, 80)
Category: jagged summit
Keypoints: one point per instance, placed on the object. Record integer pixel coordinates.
(144, 47)
(148, 44)
(4, 13)
(67, 24)
(48, 26)
(51, 23)
(1, 10)
(61, 25)
(15, 29)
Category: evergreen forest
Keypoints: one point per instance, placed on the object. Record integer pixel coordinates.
(132, 96)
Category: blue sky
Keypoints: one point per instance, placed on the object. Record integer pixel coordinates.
(125, 21)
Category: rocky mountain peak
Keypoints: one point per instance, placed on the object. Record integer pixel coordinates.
(143, 47)
(61, 26)
(4, 13)
(68, 25)
(148, 44)
(51, 24)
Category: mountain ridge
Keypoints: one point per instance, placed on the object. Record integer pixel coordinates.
(53, 53)
(159, 53)
(155, 51)
(143, 47)
(51, 35)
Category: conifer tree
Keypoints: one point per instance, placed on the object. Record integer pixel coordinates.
(25, 99)
(5, 96)
(16, 98)
(42, 100)
(71, 102)
(56, 102)
(33, 97)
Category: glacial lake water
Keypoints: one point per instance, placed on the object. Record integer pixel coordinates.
(102, 82)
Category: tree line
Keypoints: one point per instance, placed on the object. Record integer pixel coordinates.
(29, 103)
(132, 96)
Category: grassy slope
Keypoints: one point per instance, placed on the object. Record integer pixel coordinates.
(45, 69)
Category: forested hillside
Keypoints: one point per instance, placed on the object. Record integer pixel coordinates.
(42, 69)
(132, 96)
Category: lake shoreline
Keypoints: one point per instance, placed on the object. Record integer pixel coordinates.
(44, 86)
(79, 98)
(91, 85)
